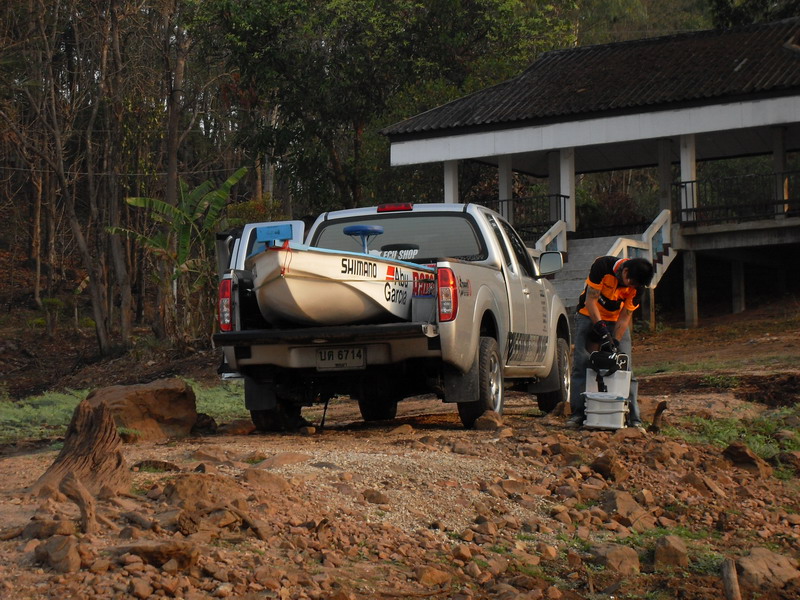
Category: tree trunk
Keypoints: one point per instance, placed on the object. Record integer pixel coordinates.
(91, 452)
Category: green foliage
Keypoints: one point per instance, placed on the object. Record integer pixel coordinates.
(254, 211)
(38, 417)
(758, 434)
(224, 402)
(49, 414)
(706, 562)
(182, 243)
(732, 13)
(719, 381)
(331, 73)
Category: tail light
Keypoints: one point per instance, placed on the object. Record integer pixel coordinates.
(225, 305)
(448, 294)
(396, 207)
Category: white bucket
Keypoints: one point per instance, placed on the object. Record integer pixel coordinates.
(605, 410)
(618, 384)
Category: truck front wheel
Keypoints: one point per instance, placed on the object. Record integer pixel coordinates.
(285, 417)
(547, 401)
(490, 384)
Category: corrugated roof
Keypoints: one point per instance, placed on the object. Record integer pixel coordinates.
(696, 68)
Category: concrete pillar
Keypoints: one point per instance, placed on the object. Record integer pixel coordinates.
(737, 286)
(688, 176)
(665, 174)
(648, 307)
(505, 178)
(690, 288)
(779, 166)
(450, 181)
(561, 176)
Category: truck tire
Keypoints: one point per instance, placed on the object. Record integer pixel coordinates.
(490, 384)
(377, 409)
(547, 401)
(285, 417)
(377, 396)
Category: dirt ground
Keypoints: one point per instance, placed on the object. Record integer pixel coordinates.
(419, 507)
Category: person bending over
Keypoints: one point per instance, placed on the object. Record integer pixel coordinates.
(603, 318)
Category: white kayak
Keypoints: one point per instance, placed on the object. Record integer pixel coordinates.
(317, 286)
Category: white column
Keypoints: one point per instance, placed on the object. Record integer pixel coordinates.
(561, 176)
(688, 174)
(450, 181)
(505, 178)
(665, 174)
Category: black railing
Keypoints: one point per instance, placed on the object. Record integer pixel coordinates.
(531, 216)
(733, 199)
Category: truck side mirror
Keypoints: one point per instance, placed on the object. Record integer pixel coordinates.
(550, 262)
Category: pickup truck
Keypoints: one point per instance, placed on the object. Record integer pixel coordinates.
(488, 320)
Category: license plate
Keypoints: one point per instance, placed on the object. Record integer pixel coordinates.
(341, 359)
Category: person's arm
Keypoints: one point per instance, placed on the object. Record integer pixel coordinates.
(622, 323)
(592, 295)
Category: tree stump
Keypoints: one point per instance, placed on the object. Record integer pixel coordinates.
(92, 452)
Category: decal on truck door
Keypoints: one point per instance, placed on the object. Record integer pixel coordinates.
(525, 348)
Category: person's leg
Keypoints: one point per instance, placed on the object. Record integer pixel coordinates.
(626, 347)
(580, 362)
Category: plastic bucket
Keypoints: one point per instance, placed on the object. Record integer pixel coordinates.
(605, 410)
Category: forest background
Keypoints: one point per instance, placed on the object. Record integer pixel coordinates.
(132, 131)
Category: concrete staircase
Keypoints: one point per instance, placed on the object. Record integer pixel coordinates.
(581, 254)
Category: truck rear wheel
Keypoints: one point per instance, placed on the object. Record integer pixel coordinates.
(547, 401)
(490, 384)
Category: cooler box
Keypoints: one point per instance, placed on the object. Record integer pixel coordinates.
(605, 410)
(618, 384)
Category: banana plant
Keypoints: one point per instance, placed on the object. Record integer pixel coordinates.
(182, 245)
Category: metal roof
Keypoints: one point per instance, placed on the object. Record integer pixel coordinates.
(691, 69)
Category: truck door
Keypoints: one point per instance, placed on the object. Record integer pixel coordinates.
(518, 351)
(531, 342)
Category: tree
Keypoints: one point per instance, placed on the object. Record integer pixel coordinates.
(734, 13)
(333, 69)
(183, 241)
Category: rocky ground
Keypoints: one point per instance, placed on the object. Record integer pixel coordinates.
(416, 508)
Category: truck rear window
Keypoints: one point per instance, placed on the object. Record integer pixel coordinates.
(413, 237)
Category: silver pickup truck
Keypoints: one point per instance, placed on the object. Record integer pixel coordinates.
(489, 320)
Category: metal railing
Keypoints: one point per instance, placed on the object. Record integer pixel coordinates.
(531, 216)
(733, 199)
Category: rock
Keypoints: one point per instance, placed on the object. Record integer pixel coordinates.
(269, 482)
(763, 569)
(622, 559)
(189, 490)
(45, 529)
(488, 421)
(430, 577)
(742, 456)
(283, 459)
(60, 553)
(375, 497)
(183, 553)
(623, 508)
(791, 460)
(607, 465)
(140, 588)
(403, 429)
(671, 552)
(462, 552)
(154, 411)
(237, 427)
